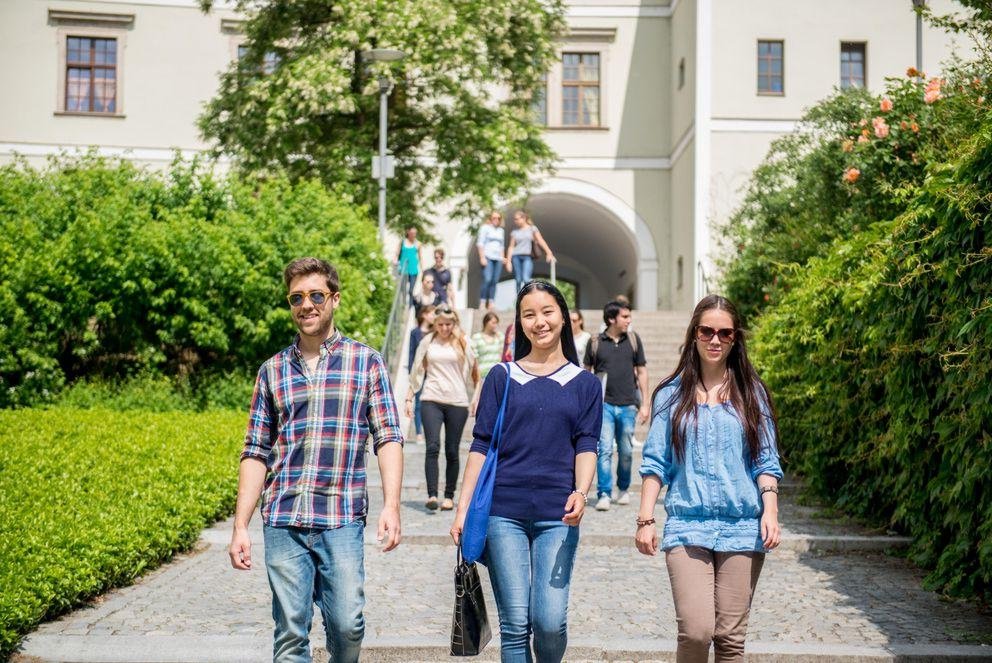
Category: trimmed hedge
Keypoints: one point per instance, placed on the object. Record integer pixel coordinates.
(107, 270)
(92, 499)
(879, 356)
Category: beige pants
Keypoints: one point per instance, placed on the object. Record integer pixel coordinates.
(712, 592)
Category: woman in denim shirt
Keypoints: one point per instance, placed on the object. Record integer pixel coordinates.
(712, 442)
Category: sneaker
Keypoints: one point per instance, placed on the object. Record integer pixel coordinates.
(431, 503)
(603, 503)
(447, 504)
(624, 498)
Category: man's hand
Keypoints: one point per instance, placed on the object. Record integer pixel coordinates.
(575, 507)
(642, 413)
(240, 549)
(389, 528)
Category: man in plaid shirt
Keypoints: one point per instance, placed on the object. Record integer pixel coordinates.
(315, 405)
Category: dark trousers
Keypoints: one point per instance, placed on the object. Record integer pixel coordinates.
(453, 418)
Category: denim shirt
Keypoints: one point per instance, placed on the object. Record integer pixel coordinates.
(712, 498)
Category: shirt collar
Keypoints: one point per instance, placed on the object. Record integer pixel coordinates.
(326, 347)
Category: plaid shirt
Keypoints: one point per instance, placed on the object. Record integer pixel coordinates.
(311, 430)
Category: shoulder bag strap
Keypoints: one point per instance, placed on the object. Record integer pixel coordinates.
(498, 426)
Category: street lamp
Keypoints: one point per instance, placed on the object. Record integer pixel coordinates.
(919, 5)
(384, 171)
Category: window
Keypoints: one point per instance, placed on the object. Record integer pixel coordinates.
(269, 62)
(580, 90)
(539, 104)
(852, 65)
(681, 73)
(91, 75)
(771, 56)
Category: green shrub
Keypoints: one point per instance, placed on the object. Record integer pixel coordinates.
(93, 499)
(107, 270)
(154, 392)
(879, 358)
(849, 165)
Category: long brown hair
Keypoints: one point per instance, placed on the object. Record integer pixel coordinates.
(748, 393)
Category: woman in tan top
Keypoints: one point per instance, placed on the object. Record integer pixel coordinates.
(446, 368)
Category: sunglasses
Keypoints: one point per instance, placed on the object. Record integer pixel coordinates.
(443, 310)
(706, 334)
(316, 297)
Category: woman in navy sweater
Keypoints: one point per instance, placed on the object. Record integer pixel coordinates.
(546, 463)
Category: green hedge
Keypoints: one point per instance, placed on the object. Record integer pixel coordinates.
(108, 270)
(92, 499)
(879, 356)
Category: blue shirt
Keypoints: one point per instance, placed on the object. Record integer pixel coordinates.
(548, 420)
(712, 499)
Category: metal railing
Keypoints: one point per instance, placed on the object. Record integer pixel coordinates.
(702, 279)
(392, 342)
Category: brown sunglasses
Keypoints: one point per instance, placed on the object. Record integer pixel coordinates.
(706, 334)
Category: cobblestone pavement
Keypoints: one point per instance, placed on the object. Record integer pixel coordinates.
(804, 600)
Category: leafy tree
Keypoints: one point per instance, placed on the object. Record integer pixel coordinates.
(460, 122)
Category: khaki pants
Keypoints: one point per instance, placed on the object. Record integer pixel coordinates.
(712, 592)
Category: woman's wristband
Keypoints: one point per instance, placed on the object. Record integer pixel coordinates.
(768, 489)
(644, 522)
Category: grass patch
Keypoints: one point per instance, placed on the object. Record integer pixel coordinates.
(91, 499)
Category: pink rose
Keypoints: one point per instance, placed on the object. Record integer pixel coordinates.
(931, 92)
(885, 105)
(880, 126)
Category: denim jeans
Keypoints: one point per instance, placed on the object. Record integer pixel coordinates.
(411, 284)
(490, 277)
(523, 269)
(530, 567)
(322, 566)
(618, 427)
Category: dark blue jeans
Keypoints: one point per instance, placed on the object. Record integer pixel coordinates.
(618, 428)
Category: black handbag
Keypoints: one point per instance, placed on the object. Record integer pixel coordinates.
(470, 624)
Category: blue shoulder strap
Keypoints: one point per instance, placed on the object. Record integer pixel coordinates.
(498, 426)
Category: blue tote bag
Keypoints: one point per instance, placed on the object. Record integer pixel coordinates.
(473, 537)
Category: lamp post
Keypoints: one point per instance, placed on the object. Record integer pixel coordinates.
(919, 5)
(384, 172)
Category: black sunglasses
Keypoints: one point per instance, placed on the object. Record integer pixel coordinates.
(706, 334)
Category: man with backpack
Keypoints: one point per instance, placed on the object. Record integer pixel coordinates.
(616, 356)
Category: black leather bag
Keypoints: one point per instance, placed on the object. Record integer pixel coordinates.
(470, 624)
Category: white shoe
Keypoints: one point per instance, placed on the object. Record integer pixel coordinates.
(603, 503)
(624, 498)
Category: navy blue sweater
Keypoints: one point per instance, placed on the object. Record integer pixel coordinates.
(549, 419)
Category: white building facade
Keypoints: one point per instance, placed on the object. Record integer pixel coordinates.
(658, 109)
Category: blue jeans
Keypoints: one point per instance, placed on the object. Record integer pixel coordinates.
(490, 277)
(523, 269)
(530, 567)
(411, 284)
(618, 427)
(322, 566)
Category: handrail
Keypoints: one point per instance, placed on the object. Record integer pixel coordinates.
(702, 280)
(392, 342)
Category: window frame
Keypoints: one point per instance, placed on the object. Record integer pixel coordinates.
(580, 40)
(581, 84)
(83, 31)
(770, 76)
(864, 63)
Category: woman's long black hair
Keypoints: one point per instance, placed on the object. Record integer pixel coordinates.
(746, 389)
(521, 344)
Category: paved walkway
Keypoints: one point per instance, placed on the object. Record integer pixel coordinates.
(830, 594)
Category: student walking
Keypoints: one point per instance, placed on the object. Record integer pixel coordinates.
(425, 323)
(525, 239)
(315, 405)
(617, 357)
(712, 441)
(446, 370)
(579, 332)
(490, 246)
(488, 344)
(425, 295)
(546, 463)
(442, 278)
(408, 260)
